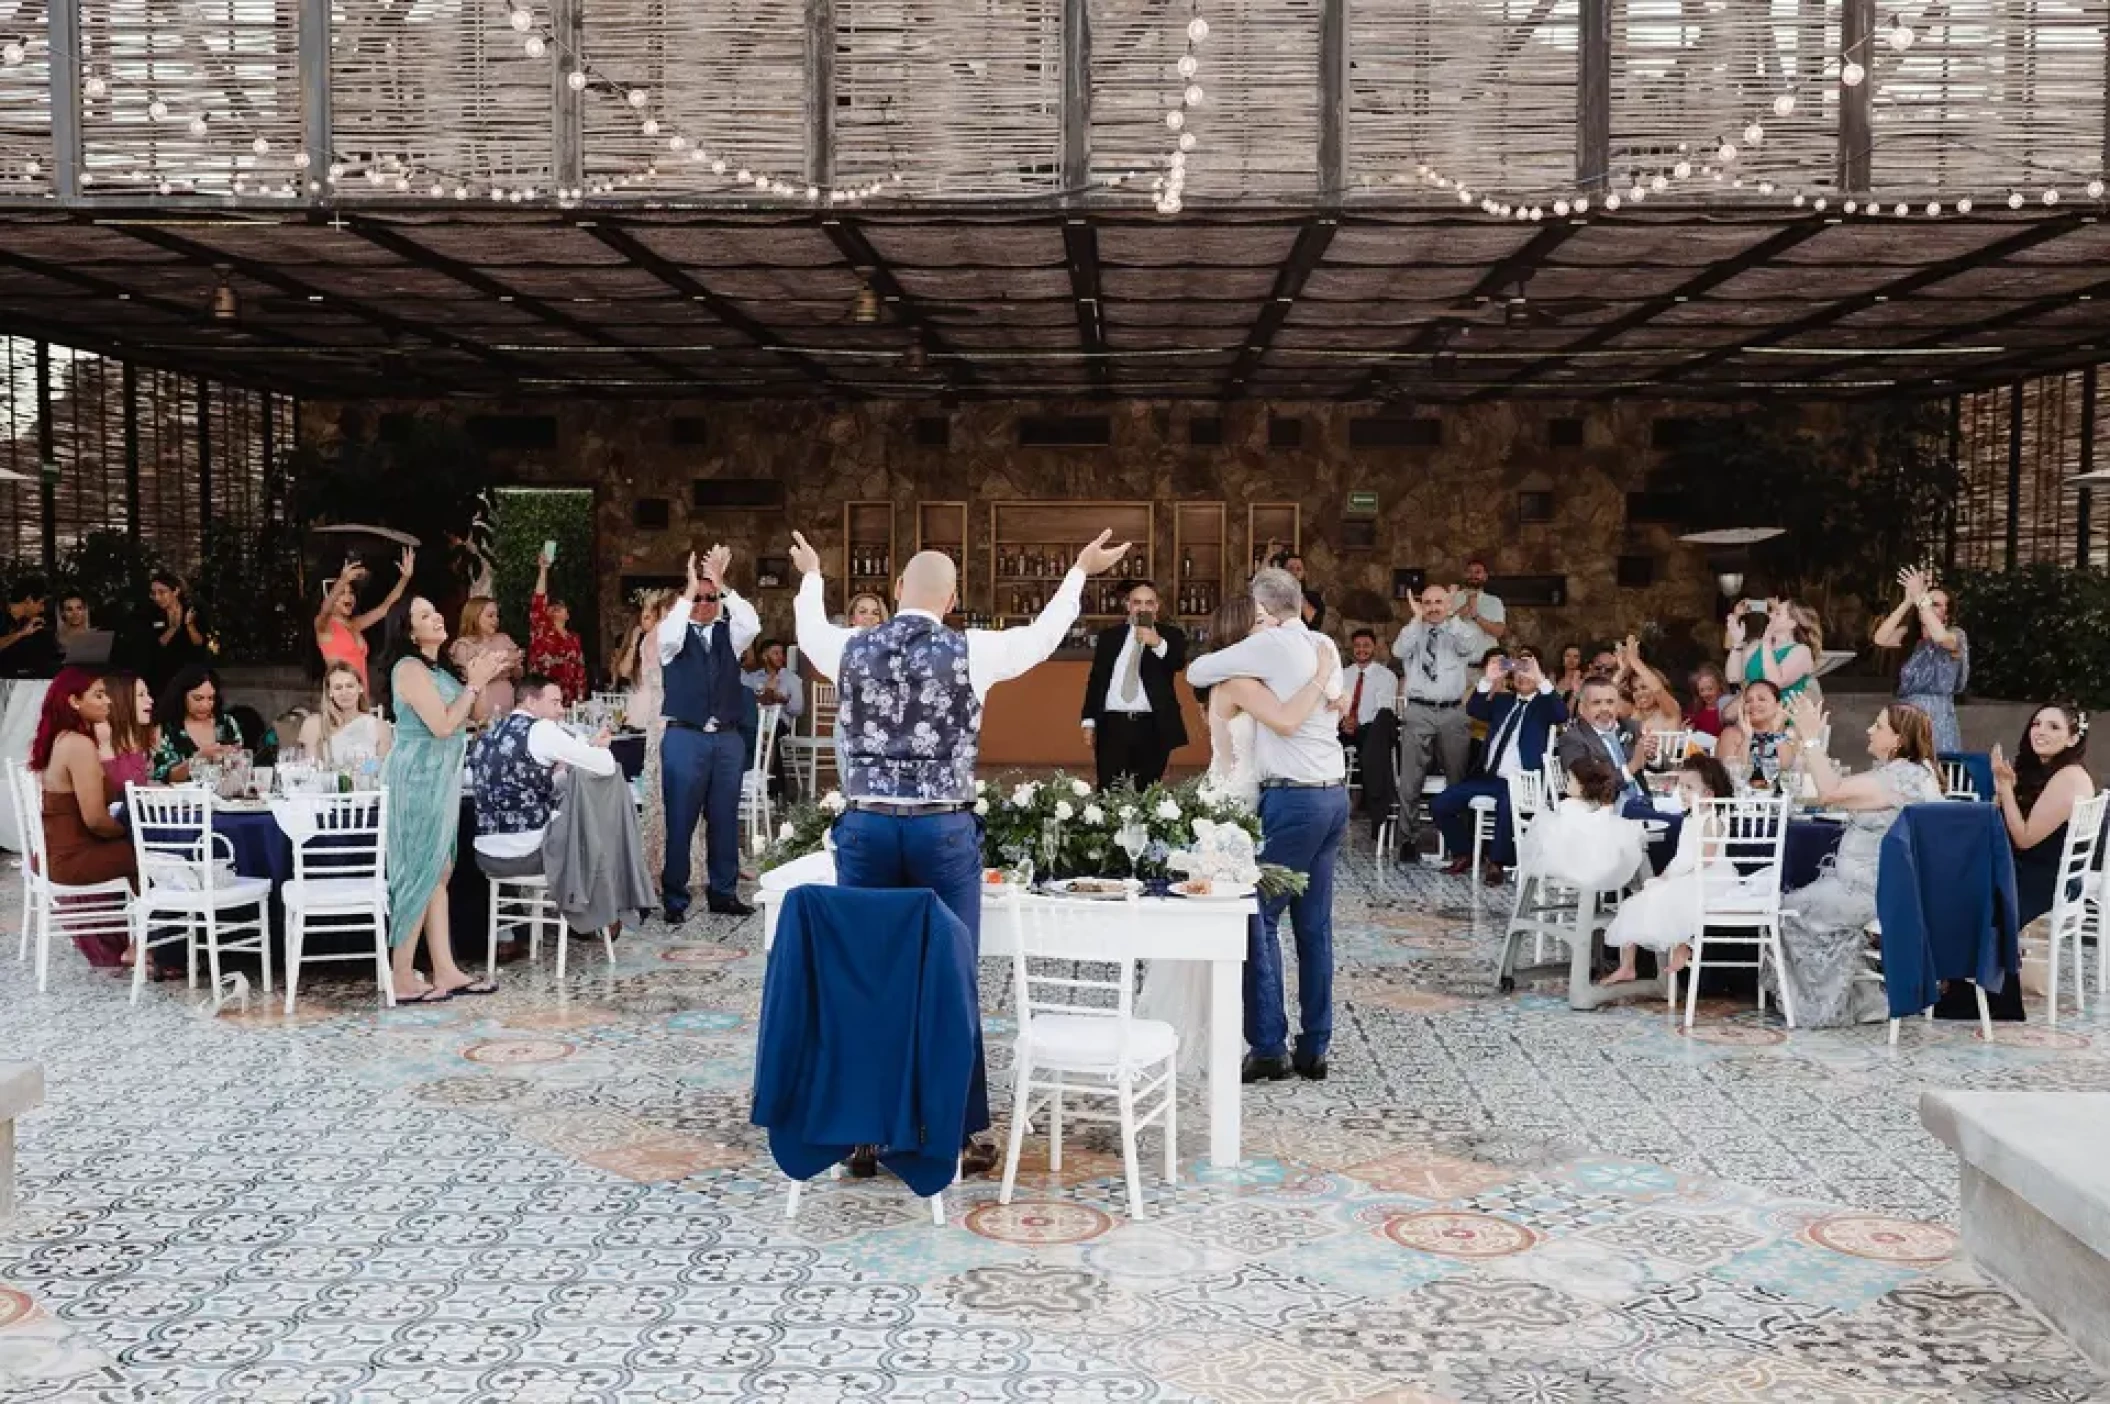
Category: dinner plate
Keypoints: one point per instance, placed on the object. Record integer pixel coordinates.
(1114, 889)
(242, 806)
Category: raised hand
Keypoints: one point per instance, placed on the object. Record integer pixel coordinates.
(1809, 718)
(1100, 557)
(1734, 627)
(717, 563)
(2003, 772)
(484, 668)
(804, 559)
(408, 561)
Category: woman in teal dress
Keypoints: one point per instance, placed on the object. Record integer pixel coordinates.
(424, 778)
(1785, 656)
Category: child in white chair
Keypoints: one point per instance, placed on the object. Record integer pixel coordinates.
(1583, 842)
(1660, 916)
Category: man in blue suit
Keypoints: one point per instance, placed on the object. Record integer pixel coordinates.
(703, 758)
(1520, 710)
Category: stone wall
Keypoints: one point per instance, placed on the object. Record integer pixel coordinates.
(1435, 504)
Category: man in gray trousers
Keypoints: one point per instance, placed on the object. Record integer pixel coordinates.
(1436, 654)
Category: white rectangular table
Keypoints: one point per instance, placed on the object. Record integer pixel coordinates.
(1213, 933)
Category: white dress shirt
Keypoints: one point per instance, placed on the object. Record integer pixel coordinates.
(1113, 702)
(1285, 658)
(678, 628)
(551, 745)
(1380, 689)
(993, 655)
(1490, 610)
(788, 684)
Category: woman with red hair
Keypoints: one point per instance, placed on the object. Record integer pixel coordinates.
(84, 843)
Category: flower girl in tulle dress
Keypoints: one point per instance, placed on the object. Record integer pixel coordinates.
(1584, 843)
(1661, 915)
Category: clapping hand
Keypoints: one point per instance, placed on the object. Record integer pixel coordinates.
(1099, 556)
(1734, 628)
(717, 563)
(2003, 772)
(1809, 719)
(804, 559)
(695, 579)
(408, 561)
(484, 667)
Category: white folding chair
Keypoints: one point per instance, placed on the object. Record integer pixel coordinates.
(181, 884)
(1670, 748)
(339, 885)
(1074, 975)
(1956, 782)
(1556, 774)
(2078, 884)
(48, 908)
(1527, 796)
(812, 743)
(754, 786)
(527, 900)
(1745, 834)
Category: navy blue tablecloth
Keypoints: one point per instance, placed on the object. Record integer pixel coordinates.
(629, 751)
(1810, 842)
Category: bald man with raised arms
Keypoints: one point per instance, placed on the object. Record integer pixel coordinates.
(908, 734)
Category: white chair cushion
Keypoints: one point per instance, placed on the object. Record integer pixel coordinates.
(1082, 1041)
(1482, 804)
(239, 892)
(314, 894)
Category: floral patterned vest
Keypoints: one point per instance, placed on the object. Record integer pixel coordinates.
(909, 725)
(514, 792)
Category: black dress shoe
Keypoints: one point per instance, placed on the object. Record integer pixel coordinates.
(1312, 1069)
(1264, 1069)
(863, 1163)
(730, 906)
(978, 1158)
(1409, 856)
(675, 916)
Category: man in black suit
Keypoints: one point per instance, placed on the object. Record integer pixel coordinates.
(1131, 713)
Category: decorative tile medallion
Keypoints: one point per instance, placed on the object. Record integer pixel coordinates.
(1038, 1222)
(1452, 1234)
(517, 1052)
(1883, 1239)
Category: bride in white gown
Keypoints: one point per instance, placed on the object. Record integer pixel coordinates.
(1176, 992)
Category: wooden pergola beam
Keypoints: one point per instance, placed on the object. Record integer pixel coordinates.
(851, 243)
(820, 93)
(1857, 27)
(1080, 247)
(1304, 258)
(1593, 96)
(1076, 99)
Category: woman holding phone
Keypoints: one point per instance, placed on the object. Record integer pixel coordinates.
(553, 649)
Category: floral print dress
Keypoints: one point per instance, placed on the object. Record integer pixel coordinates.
(557, 656)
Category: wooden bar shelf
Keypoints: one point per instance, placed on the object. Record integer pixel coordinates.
(1032, 545)
(1272, 521)
(868, 547)
(1201, 554)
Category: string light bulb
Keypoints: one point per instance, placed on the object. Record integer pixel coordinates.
(1193, 95)
(1784, 105)
(158, 110)
(535, 47)
(1754, 134)
(1175, 119)
(1899, 36)
(2014, 199)
(2051, 195)
(1187, 65)
(1851, 74)
(95, 87)
(521, 21)
(2095, 190)
(650, 127)
(1197, 29)
(576, 80)
(196, 125)
(1964, 206)
(13, 53)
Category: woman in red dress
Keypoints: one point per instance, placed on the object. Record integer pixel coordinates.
(553, 650)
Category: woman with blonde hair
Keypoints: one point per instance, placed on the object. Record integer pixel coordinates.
(1785, 655)
(344, 731)
(643, 711)
(480, 635)
(866, 611)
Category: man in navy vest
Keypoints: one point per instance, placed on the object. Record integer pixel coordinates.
(908, 732)
(702, 759)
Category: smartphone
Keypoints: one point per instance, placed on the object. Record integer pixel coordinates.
(549, 552)
(1148, 619)
(1754, 606)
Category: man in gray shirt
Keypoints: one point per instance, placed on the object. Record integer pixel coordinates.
(1303, 818)
(1436, 653)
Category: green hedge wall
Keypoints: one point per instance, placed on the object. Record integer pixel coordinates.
(524, 518)
(2038, 634)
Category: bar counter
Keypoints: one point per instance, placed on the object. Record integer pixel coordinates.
(1034, 722)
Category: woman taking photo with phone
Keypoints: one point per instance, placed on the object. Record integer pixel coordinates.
(553, 649)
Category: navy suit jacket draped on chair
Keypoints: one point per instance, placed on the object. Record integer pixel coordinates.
(867, 1037)
(1945, 893)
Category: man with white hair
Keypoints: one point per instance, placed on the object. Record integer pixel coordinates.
(1303, 818)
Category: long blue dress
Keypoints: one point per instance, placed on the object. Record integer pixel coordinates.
(1931, 679)
(424, 778)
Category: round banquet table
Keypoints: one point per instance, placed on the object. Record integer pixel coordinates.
(1809, 843)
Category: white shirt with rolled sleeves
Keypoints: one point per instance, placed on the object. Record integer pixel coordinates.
(788, 684)
(550, 745)
(993, 655)
(734, 612)
(1284, 658)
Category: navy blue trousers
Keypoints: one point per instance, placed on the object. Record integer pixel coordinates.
(942, 852)
(1302, 830)
(700, 777)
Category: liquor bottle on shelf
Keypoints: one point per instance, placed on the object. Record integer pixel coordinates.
(1187, 565)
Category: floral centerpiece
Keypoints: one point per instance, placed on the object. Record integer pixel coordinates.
(1065, 828)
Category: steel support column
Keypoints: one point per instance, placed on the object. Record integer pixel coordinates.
(1593, 97)
(1076, 98)
(568, 106)
(1857, 27)
(63, 26)
(820, 93)
(47, 458)
(1333, 101)
(2083, 529)
(2014, 473)
(315, 114)
(131, 416)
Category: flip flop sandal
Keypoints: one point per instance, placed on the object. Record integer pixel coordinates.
(478, 987)
(431, 996)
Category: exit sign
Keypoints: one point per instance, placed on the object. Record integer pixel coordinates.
(1362, 504)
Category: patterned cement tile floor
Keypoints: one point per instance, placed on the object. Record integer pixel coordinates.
(556, 1197)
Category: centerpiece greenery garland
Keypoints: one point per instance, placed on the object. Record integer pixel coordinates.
(1066, 828)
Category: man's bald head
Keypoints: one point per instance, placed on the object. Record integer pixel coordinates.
(930, 582)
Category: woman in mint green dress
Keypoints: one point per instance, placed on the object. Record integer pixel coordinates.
(424, 779)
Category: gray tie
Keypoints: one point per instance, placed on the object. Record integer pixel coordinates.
(1132, 671)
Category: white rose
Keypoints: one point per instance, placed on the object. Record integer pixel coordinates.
(1167, 810)
(1079, 788)
(981, 806)
(1094, 815)
(1063, 812)
(833, 802)
(1127, 813)
(759, 843)
(1022, 796)
(784, 832)
(981, 787)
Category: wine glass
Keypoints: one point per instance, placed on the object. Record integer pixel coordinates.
(1133, 839)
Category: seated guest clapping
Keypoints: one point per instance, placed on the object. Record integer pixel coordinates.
(1601, 734)
(1520, 710)
(513, 763)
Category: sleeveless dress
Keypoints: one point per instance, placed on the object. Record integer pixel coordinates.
(1755, 671)
(1822, 934)
(345, 644)
(1663, 913)
(1931, 679)
(644, 711)
(424, 778)
(357, 740)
